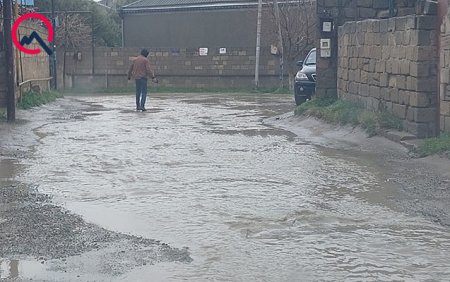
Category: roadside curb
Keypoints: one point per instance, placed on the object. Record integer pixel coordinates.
(411, 142)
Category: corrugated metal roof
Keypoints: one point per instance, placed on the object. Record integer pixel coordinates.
(180, 3)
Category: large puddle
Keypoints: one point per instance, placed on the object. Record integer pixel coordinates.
(252, 203)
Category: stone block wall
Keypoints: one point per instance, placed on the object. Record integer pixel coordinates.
(445, 74)
(107, 67)
(391, 65)
(343, 11)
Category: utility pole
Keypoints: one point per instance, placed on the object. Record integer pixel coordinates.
(280, 40)
(11, 88)
(258, 43)
(53, 66)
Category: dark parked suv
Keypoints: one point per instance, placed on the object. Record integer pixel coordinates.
(305, 80)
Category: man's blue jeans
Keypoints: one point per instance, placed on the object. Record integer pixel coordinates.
(141, 93)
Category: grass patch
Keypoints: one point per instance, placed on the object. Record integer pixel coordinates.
(3, 115)
(167, 89)
(345, 112)
(33, 99)
(436, 145)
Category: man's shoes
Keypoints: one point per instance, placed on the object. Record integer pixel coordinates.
(138, 109)
(143, 109)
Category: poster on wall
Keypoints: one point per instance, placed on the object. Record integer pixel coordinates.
(26, 2)
(222, 51)
(203, 51)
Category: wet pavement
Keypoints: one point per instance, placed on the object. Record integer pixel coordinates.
(208, 188)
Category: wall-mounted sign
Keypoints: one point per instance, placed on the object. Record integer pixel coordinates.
(273, 50)
(203, 51)
(327, 26)
(222, 50)
(325, 48)
(26, 2)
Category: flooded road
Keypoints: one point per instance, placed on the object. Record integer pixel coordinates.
(249, 201)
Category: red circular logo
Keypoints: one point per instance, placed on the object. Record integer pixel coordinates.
(26, 17)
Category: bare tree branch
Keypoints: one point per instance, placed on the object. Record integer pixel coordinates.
(73, 32)
(297, 22)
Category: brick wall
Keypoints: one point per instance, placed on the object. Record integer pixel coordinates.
(174, 67)
(445, 74)
(391, 65)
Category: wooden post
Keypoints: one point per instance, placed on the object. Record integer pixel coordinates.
(9, 54)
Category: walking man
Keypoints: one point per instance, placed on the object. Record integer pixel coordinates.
(140, 70)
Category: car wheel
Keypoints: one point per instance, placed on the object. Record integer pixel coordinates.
(300, 100)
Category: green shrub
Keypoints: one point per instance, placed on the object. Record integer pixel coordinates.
(33, 99)
(346, 112)
(437, 145)
(2, 114)
(368, 121)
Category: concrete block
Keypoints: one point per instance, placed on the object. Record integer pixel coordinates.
(384, 26)
(421, 114)
(367, 13)
(364, 77)
(381, 4)
(364, 90)
(380, 67)
(445, 108)
(374, 92)
(426, 22)
(419, 69)
(364, 3)
(420, 38)
(411, 83)
(399, 110)
(404, 67)
(400, 24)
(327, 3)
(427, 84)
(431, 7)
(421, 130)
(447, 124)
(403, 97)
(401, 82)
(419, 99)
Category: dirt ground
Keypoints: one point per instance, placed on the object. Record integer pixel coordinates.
(32, 227)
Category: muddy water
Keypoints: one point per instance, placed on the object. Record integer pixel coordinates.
(252, 203)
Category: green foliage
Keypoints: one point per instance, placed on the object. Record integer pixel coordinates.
(33, 99)
(437, 145)
(345, 112)
(368, 120)
(2, 114)
(388, 120)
